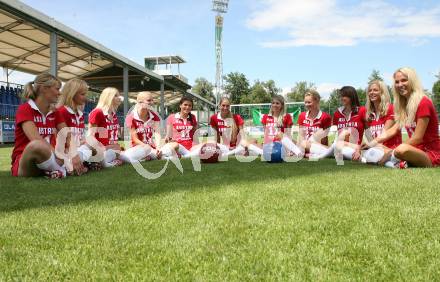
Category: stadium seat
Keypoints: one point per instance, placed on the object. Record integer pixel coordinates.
(3, 106)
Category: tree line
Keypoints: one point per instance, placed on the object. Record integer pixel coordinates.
(240, 91)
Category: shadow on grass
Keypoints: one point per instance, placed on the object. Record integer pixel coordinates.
(124, 182)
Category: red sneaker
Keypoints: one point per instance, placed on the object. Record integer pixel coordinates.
(402, 165)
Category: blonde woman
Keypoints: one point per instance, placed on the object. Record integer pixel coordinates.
(144, 125)
(69, 114)
(380, 118)
(104, 118)
(278, 126)
(416, 112)
(35, 130)
(314, 124)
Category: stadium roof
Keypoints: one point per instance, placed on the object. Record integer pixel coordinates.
(164, 60)
(25, 45)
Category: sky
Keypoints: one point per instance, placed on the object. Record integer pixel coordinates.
(328, 42)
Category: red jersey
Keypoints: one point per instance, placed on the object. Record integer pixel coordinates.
(376, 125)
(75, 121)
(144, 129)
(183, 129)
(46, 125)
(431, 141)
(272, 129)
(220, 125)
(105, 120)
(311, 126)
(352, 121)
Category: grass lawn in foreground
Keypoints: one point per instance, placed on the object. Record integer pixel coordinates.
(231, 221)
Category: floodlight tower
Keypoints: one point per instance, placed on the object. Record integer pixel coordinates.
(220, 7)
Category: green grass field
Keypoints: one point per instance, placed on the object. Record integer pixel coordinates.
(231, 221)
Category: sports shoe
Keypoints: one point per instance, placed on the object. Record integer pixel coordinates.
(402, 164)
(398, 165)
(54, 174)
(92, 166)
(117, 162)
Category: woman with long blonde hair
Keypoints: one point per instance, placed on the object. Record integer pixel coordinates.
(380, 118)
(35, 130)
(105, 125)
(278, 127)
(416, 112)
(69, 113)
(144, 126)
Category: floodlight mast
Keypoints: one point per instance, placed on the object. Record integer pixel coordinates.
(220, 7)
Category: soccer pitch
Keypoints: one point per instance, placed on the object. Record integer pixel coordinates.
(230, 221)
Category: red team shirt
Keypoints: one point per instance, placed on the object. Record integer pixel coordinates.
(431, 141)
(221, 126)
(182, 129)
(73, 120)
(376, 125)
(108, 121)
(272, 129)
(46, 125)
(311, 126)
(353, 121)
(144, 129)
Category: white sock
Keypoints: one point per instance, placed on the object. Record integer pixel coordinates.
(287, 143)
(237, 151)
(255, 149)
(193, 153)
(84, 153)
(182, 150)
(51, 165)
(167, 151)
(318, 149)
(135, 154)
(224, 149)
(390, 164)
(348, 152)
(109, 157)
(394, 159)
(374, 155)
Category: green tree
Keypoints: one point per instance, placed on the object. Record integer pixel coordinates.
(271, 88)
(375, 75)
(436, 92)
(362, 94)
(332, 103)
(297, 93)
(204, 88)
(259, 93)
(236, 86)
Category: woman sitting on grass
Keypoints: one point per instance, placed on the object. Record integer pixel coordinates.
(278, 127)
(180, 131)
(69, 114)
(380, 118)
(416, 112)
(105, 126)
(314, 124)
(228, 127)
(35, 130)
(144, 124)
(350, 120)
